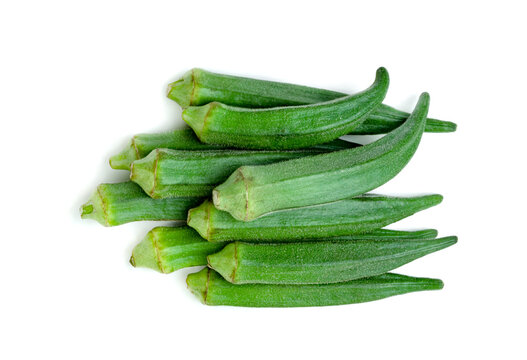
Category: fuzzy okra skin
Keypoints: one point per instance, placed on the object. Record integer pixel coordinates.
(168, 173)
(319, 262)
(290, 127)
(252, 191)
(346, 217)
(199, 87)
(120, 203)
(167, 249)
(212, 289)
(184, 139)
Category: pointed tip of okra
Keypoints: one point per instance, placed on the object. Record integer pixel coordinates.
(144, 171)
(199, 219)
(124, 159)
(198, 284)
(181, 91)
(225, 262)
(196, 117)
(95, 208)
(145, 253)
(233, 196)
(440, 126)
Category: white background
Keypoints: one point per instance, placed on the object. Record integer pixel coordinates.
(78, 79)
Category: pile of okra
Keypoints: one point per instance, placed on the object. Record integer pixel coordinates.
(267, 197)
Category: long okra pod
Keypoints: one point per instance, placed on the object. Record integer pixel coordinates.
(285, 127)
(199, 87)
(319, 262)
(116, 204)
(184, 139)
(346, 217)
(252, 191)
(170, 173)
(167, 249)
(212, 289)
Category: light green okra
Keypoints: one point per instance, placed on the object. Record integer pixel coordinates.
(252, 191)
(212, 289)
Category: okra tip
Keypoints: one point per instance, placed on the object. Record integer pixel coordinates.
(233, 196)
(198, 284)
(225, 262)
(123, 160)
(145, 253)
(95, 208)
(196, 117)
(143, 172)
(181, 90)
(198, 219)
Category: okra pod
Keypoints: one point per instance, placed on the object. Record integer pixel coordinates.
(167, 249)
(120, 203)
(171, 173)
(212, 289)
(252, 191)
(345, 217)
(319, 262)
(184, 139)
(290, 127)
(199, 87)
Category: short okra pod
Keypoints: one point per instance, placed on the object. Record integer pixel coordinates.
(171, 173)
(252, 191)
(318, 262)
(120, 203)
(345, 217)
(199, 87)
(285, 127)
(212, 289)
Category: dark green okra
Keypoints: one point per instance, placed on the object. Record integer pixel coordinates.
(318, 262)
(346, 217)
(290, 127)
(167, 249)
(171, 173)
(184, 139)
(199, 87)
(212, 289)
(252, 191)
(120, 203)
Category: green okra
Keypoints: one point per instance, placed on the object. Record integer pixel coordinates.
(318, 262)
(212, 289)
(120, 203)
(199, 87)
(167, 249)
(290, 127)
(345, 217)
(184, 139)
(252, 191)
(171, 173)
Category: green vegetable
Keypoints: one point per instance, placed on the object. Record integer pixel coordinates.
(319, 262)
(167, 249)
(170, 173)
(141, 145)
(199, 87)
(212, 289)
(346, 217)
(252, 191)
(285, 127)
(116, 204)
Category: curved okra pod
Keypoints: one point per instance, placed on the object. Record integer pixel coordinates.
(319, 262)
(199, 87)
(120, 203)
(184, 139)
(285, 127)
(167, 249)
(346, 217)
(170, 173)
(252, 191)
(212, 289)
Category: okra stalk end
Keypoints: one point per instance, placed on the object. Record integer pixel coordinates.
(198, 284)
(143, 172)
(199, 219)
(233, 196)
(196, 117)
(225, 262)
(123, 160)
(181, 91)
(96, 208)
(145, 253)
